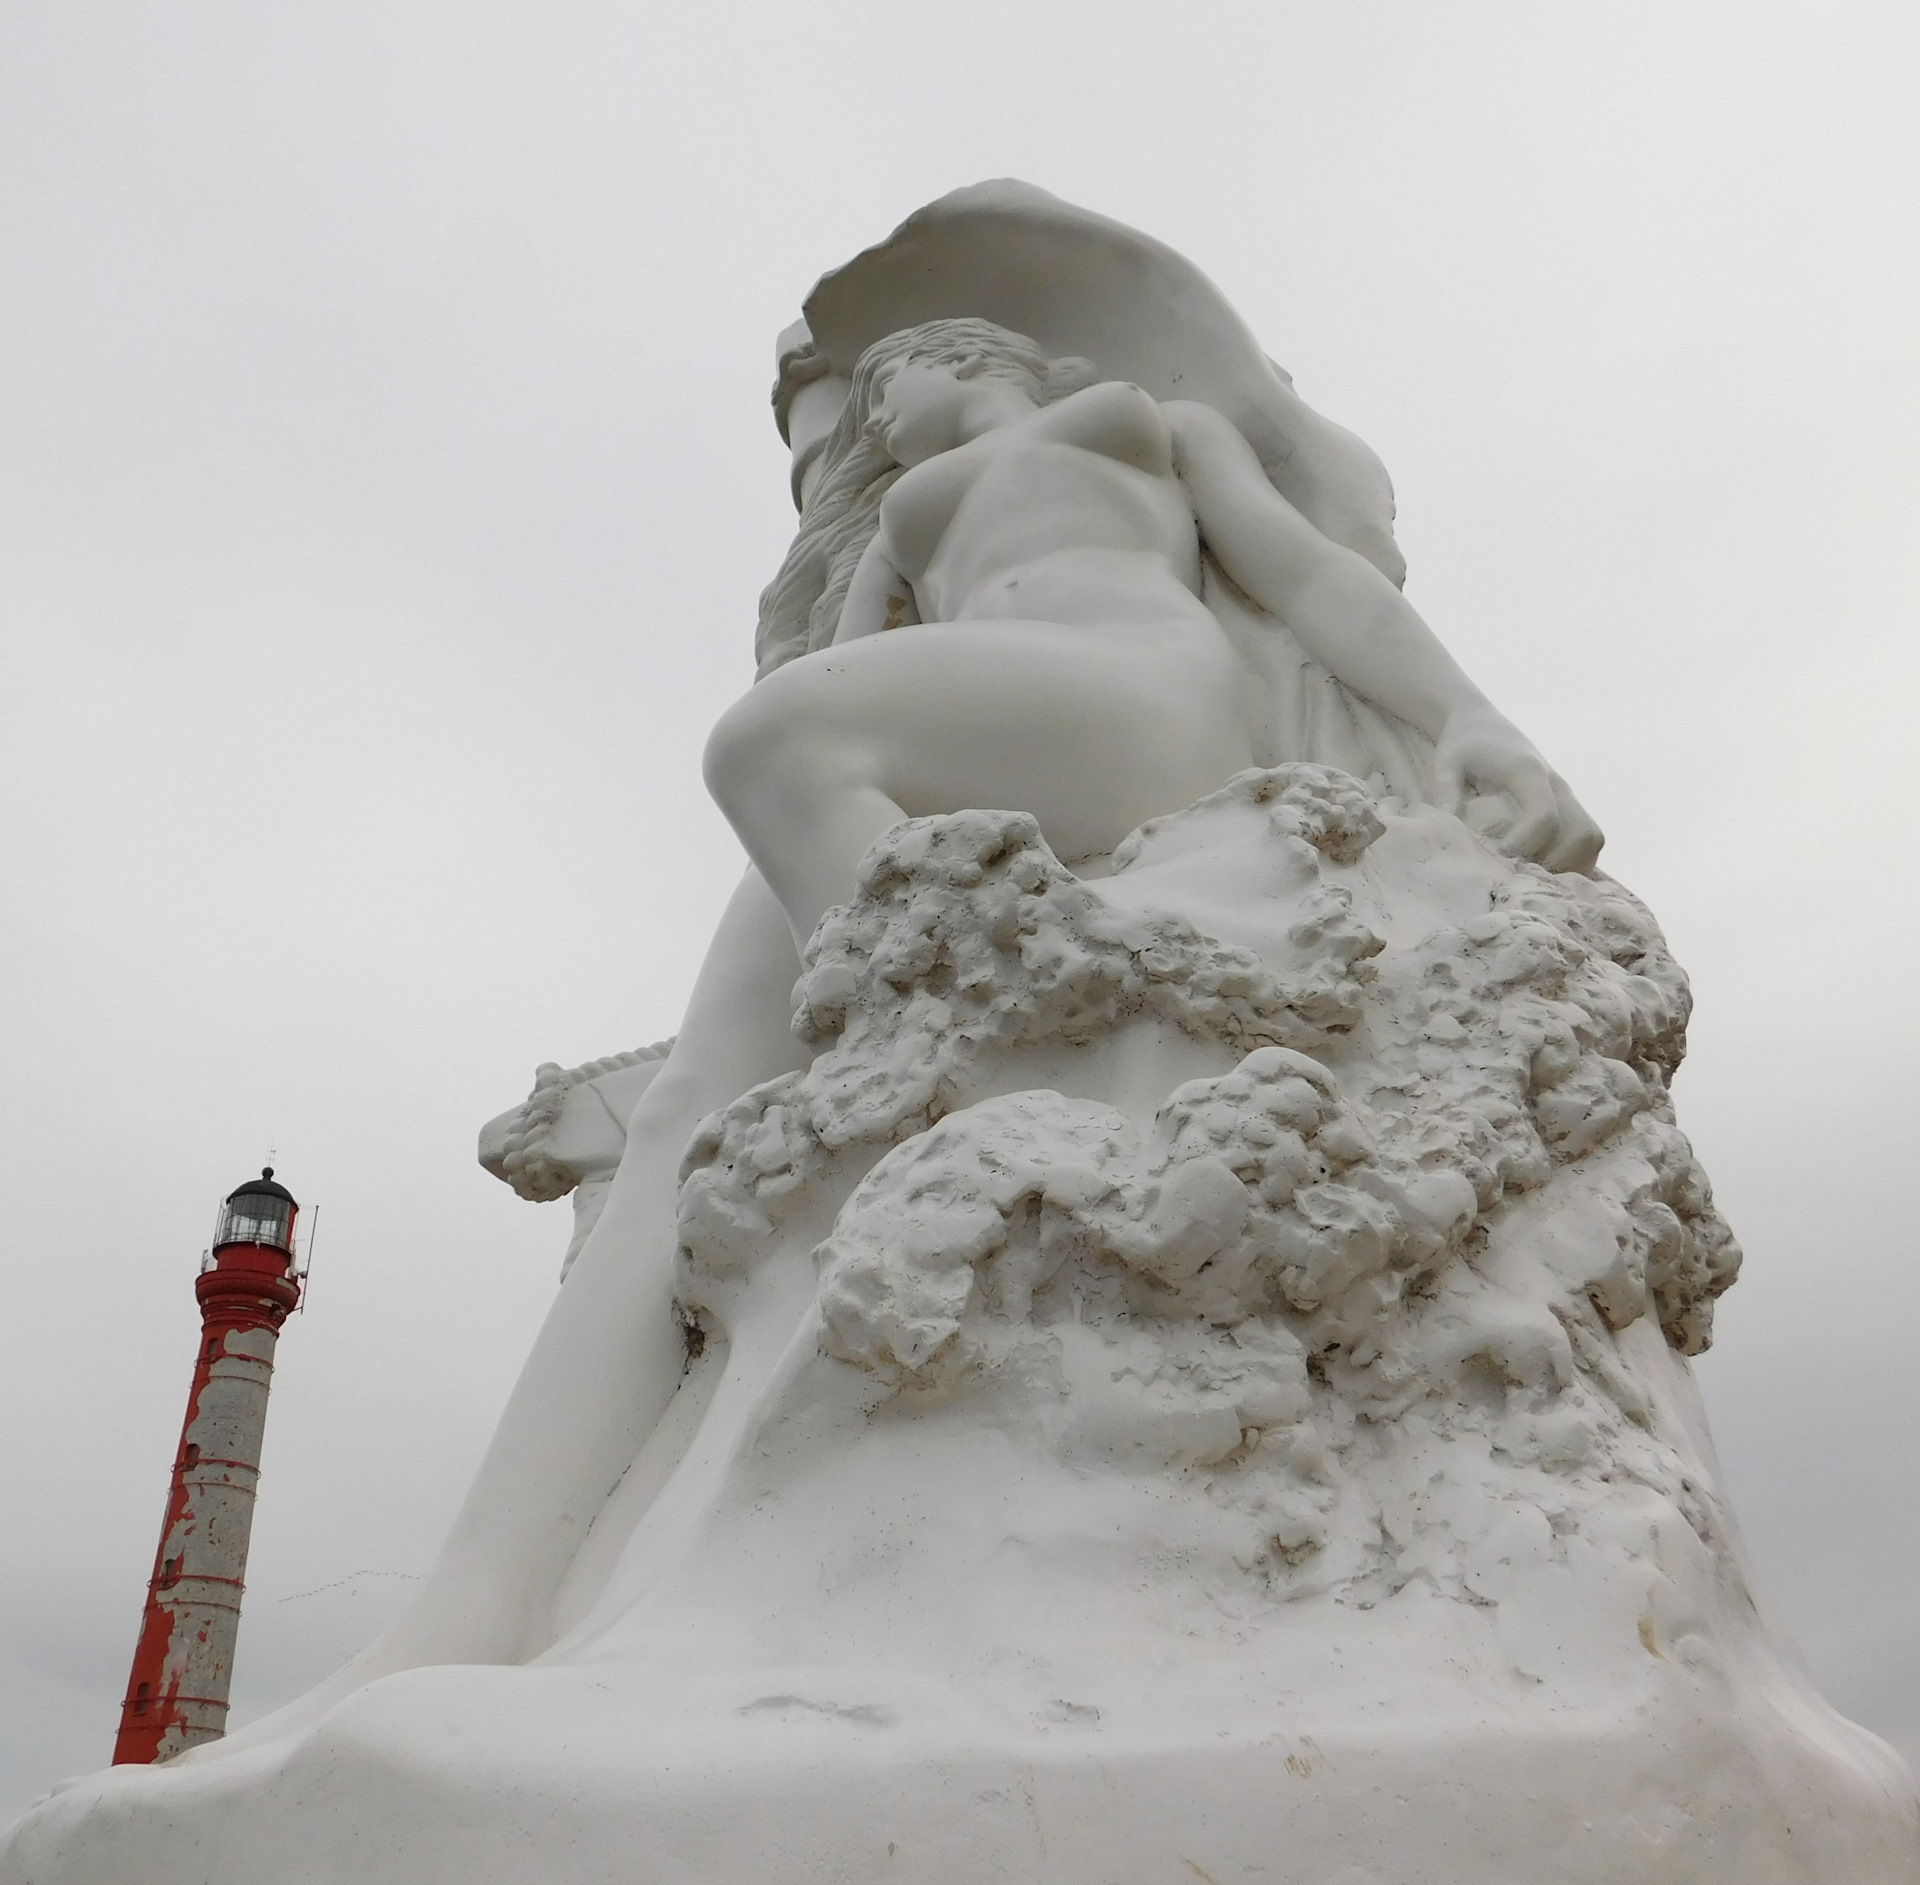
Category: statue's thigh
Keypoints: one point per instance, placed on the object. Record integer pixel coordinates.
(1091, 730)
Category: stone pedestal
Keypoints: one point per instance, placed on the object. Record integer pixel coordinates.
(1191, 1384)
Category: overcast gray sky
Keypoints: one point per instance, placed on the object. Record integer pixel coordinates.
(385, 487)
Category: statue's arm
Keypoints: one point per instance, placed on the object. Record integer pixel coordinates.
(878, 598)
(1347, 615)
(1358, 626)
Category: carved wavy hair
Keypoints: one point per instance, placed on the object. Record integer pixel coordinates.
(800, 608)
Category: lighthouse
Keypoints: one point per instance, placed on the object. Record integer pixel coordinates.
(183, 1666)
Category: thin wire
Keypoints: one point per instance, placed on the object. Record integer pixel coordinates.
(413, 1577)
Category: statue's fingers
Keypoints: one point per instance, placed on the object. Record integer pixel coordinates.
(1536, 822)
(1575, 849)
(1536, 829)
(1580, 839)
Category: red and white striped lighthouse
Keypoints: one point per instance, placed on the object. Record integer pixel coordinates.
(183, 1667)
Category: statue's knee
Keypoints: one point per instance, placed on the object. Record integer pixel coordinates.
(744, 751)
(785, 739)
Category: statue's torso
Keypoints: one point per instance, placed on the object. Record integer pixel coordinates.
(1072, 516)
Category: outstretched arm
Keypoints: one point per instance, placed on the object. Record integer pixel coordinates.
(1358, 626)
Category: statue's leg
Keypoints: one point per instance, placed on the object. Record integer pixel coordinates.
(1092, 730)
(610, 1354)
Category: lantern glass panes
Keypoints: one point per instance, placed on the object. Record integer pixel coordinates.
(254, 1217)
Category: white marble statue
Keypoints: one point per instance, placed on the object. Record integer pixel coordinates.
(1138, 1332)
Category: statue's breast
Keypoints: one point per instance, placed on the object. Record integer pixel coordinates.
(1115, 419)
(916, 513)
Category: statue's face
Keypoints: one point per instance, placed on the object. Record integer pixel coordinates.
(922, 411)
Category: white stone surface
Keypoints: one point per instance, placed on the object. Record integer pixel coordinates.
(1174, 1365)
(567, 1136)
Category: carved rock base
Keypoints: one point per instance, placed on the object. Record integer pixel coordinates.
(1194, 1389)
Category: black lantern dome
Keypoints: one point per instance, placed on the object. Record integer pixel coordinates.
(258, 1212)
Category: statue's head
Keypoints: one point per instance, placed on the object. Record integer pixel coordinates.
(941, 359)
(916, 390)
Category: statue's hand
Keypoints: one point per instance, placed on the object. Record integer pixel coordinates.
(1480, 748)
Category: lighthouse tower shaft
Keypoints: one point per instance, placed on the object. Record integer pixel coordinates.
(183, 1665)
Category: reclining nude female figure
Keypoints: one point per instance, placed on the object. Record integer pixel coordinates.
(1024, 630)
(1061, 660)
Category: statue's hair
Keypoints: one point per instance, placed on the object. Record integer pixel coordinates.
(800, 608)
